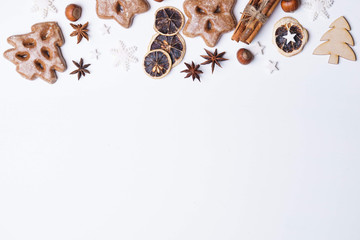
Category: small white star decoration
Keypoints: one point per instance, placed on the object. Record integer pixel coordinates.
(272, 66)
(105, 29)
(44, 6)
(95, 54)
(319, 7)
(124, 55)
(258, 49)
(290, 37)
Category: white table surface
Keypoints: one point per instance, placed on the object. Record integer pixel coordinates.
(242, 155)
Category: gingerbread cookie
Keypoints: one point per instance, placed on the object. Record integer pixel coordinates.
(209, 19)
(123, 11)
(38, 54)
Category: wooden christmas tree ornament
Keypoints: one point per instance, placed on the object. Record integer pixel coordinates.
(337, 42)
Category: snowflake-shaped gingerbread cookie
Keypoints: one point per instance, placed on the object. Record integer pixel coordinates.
(124, 55)
(209, 19)
(44, 6)
(319, 7)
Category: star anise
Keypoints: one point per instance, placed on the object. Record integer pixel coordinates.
(81, 68)
(192, 71)
(213, 58)
(80, 31)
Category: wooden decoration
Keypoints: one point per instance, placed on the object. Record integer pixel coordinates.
(337, 42)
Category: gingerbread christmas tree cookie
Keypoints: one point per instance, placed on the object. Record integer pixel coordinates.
(37, 54)
(209, 19)
(337, 42)
(123, 11)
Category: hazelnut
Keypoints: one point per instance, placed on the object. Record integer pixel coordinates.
(73, 12)
(244, 56)
(290, 5)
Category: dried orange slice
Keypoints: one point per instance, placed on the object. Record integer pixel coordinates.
(168, 21)
(157, 64)
(289, 36)
(173, 45)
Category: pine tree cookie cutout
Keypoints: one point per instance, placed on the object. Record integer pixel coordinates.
(338, 42)
(38, 54)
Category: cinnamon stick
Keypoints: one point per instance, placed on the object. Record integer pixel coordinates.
(243, 22)
(248, 26)
(268, 10)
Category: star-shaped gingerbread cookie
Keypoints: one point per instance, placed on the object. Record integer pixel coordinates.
(209, 19)
(123, 11)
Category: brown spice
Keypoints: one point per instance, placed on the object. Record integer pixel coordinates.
(249, 26)
(82, 69)
(213, 58)
(192, 71)
(81, 31)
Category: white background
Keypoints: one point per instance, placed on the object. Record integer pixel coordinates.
(244, 154)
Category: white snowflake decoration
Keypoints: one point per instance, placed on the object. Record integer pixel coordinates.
(105, 29)
(44, 6)
(272, 66)
(319, 7)
(258, 49)
(95, 54)
(124, 55)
